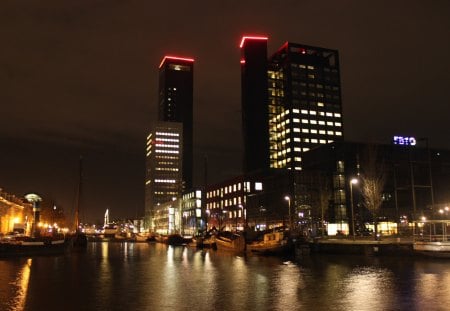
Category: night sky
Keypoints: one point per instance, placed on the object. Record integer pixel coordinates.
(81, 78)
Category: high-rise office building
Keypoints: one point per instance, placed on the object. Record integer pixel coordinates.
(300, 109)
(254, 103)
(164, 157)
(176, 104)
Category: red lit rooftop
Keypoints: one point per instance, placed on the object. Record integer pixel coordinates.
(167, 57)
(251, 38)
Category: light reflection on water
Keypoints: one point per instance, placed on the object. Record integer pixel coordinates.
(119, 276)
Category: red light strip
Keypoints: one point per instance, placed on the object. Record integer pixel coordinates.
(175, 58)
(251, 38)
(242, 61)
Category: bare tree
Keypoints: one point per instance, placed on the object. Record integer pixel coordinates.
(373, 181)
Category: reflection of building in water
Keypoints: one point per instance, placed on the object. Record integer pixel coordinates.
(15, 213)
(14, 292)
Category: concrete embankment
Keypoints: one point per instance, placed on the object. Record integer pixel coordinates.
(388, 246)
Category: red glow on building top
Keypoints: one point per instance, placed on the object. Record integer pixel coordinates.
(251, 38)
(175, 58)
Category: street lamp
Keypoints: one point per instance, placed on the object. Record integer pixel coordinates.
(34, 199)
(288, 198)
(353, 181)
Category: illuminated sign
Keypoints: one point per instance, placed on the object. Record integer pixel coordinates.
(405, 141)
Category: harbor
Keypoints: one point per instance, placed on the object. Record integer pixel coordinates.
(157, 276)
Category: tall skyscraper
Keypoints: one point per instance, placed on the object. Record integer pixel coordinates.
(300, 109)
(164, 157)
(176, 104)
(254, 103)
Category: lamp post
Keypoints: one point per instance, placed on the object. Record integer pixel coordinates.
(353, 181)
(288, 198)
(35, 199)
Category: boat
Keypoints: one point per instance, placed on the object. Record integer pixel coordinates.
(272, 243)
(173, 239)
(230, 241)
(34, 246)
(432, 238)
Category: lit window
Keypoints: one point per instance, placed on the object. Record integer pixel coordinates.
(313, 122)
(320, 104)
(321, 122)
(314, 141)
(297, 149)
(296, 120)
(330, 123)
(329, 114)
(305, 149)
(296, 130)
(338, 133)
(321, 113)
(312, 112)
(337, 124)
(295, 110)
(313, 131)
(322, 132)
(330, 133)
(337, 115)
(322, 141)
(305, 131)
(298, 159)
(296, 139)
(304, 111)
(305, 121)
(306, 141)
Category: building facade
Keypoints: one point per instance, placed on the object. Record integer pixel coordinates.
(291, 102)
(164, 166)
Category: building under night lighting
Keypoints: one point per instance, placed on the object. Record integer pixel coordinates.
(175, 104)
(291, 106)
(164, 159)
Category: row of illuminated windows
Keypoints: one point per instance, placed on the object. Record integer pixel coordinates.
(167, 157)
(167, 145)
(167, 169)
(167, 151)
(320, 122)
(168, 134)
(234, 188)
(225, 203)
(167, 193)
(175, 140)
(226, 190)
(314, 112)
(165, 181)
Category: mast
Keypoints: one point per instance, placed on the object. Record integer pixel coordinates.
(77, 210)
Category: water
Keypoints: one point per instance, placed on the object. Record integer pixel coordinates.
(140, 276)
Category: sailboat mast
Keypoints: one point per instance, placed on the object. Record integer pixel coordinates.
(77, 211)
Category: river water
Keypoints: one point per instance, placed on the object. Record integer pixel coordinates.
(140, 276)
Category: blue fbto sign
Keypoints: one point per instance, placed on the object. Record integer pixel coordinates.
(405, 141)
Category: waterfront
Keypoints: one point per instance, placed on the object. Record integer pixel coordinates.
(140, 276)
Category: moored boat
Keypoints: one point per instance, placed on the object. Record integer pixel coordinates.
(40, 246)
(229, 241)
(432, 238)
(272, 243)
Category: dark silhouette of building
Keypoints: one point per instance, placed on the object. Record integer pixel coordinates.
(255, 126)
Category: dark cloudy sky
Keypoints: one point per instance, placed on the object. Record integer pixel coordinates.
(80, 78)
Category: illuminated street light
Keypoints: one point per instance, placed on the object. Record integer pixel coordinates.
(288, 198)
(34, 199)
(353, 181)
